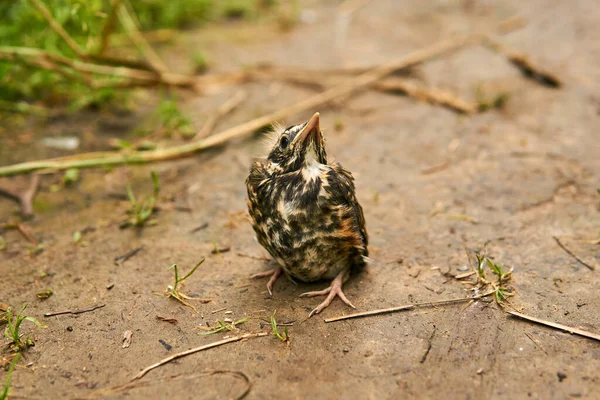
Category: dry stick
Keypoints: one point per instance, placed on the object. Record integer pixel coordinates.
(521, 61)
(108, 26)
(407, 307)
(535, 342)
(222, 111)
(434, 96)
(412, 59)
(14, 53)
(557, 326)
(575, 256)
(195, 350)
(22, 230)
(121, 259)
(135, 384)
(140, 42)
(305, 77)
(92, 308)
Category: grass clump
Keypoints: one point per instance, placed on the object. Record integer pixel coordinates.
(172, 119)
(499, 285)
(141, 211)
(223, 326)
(173, 290)
(12, 330)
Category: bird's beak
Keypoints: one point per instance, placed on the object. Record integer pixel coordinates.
(311, 131)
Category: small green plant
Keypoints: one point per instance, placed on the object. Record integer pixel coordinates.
(78, 239)
(200, 63)
(173, 291)
(486, 102)
(501, 293)
(285, 337)
(11, 332)
(141, 212)
(11, 368)
(36, 250)
(172, 119)
(44, 294)
(71, 176)
(222, 326)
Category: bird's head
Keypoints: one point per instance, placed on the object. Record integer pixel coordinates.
(298, 146)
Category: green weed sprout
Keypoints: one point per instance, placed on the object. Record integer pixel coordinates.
(12, 333)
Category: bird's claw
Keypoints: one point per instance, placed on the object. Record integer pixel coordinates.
(335, 289)
(273, 273)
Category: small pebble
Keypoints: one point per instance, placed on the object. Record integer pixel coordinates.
(70, 328)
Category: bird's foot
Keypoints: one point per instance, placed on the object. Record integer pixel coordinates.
(273, 273)
(334, 289)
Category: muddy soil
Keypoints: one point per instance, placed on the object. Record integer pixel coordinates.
(521, 175)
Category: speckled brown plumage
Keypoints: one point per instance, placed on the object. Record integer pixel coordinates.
(305, 213)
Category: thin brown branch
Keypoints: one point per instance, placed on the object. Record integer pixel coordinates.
(408, 307)
(58, 28)
(54, 61)
(134, 34)
(429, 95)
(22, 230)
(225, 108)
(558, 326)
(307, 78)
(536, 342)
(195, 350)
(575, 256)
(131, 385)
(524, 64)
(109, 25)
(75, 312)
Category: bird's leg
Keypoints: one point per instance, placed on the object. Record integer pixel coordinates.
(334, 289)
(273, 273)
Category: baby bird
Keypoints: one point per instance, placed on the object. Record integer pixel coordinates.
(305, 213)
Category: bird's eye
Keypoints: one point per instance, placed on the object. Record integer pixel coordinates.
(284, 142)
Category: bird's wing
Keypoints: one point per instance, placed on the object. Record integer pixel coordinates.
(341, 188)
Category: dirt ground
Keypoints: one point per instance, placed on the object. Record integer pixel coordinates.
(522, 174)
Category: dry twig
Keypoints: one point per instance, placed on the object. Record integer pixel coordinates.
(22, 230)
(195, 350)
(132, 385)
(521, 61)
(558, 326)
(85, 310)
(575, 256)
(429, 95)
(58, 63)
(227, 107)
(408, 307)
